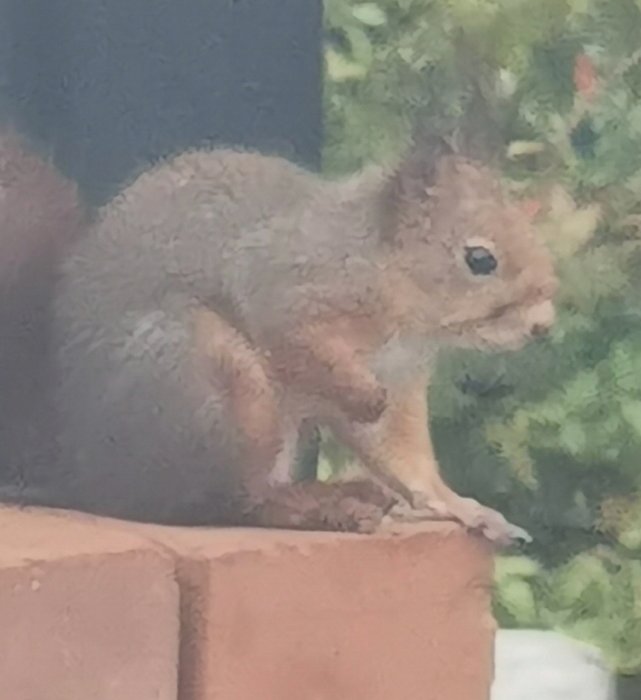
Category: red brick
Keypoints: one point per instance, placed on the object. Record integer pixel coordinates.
(272, 615)
(87, 612)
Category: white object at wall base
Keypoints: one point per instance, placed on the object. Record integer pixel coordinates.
(541, 665)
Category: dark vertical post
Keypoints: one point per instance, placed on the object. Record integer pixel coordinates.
(110, 85)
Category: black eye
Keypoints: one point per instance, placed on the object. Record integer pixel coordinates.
(480, 260)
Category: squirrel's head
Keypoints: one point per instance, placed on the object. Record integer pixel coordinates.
(487, 278)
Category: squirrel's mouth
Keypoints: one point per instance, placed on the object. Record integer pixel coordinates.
(507, 327)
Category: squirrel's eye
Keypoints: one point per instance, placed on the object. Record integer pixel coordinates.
(480, 260)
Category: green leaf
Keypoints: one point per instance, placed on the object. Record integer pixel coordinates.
(519, 566)
(340, 69)
(573, 580)
(630, 538)
(370, 14)
(573, 437)
(631, 411)
(517, 597)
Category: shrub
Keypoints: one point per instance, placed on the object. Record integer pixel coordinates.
(551, 436)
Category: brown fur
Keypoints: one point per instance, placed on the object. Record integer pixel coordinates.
(223, 297)
(325, 356)
(40, 210)
(40, 213)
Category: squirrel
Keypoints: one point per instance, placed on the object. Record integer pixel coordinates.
(41, 212)
(224, 296)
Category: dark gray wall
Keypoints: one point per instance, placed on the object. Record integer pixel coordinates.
(109, 85)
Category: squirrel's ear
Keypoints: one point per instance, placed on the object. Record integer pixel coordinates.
(410, 184)
(416, 172)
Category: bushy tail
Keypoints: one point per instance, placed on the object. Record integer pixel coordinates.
(40, 213)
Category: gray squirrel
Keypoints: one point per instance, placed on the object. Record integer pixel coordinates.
(223, 297)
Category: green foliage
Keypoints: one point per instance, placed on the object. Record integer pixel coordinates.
(551, 435)
(595, 597)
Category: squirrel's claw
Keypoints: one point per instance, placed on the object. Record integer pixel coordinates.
(470, 513)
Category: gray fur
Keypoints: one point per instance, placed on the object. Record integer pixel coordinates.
(142, 432)
(139, 433)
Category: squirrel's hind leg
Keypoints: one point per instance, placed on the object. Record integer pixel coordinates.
(268, 497)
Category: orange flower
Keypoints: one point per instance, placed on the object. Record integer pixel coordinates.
(585, 76)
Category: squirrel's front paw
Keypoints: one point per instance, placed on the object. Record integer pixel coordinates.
(470, 513)
(486, 521)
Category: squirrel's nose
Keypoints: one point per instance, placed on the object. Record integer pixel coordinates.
(539, 330)
(541, 318)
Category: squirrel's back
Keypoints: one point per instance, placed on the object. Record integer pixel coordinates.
(238, 228)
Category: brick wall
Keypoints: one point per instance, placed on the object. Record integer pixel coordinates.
(97, 609)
